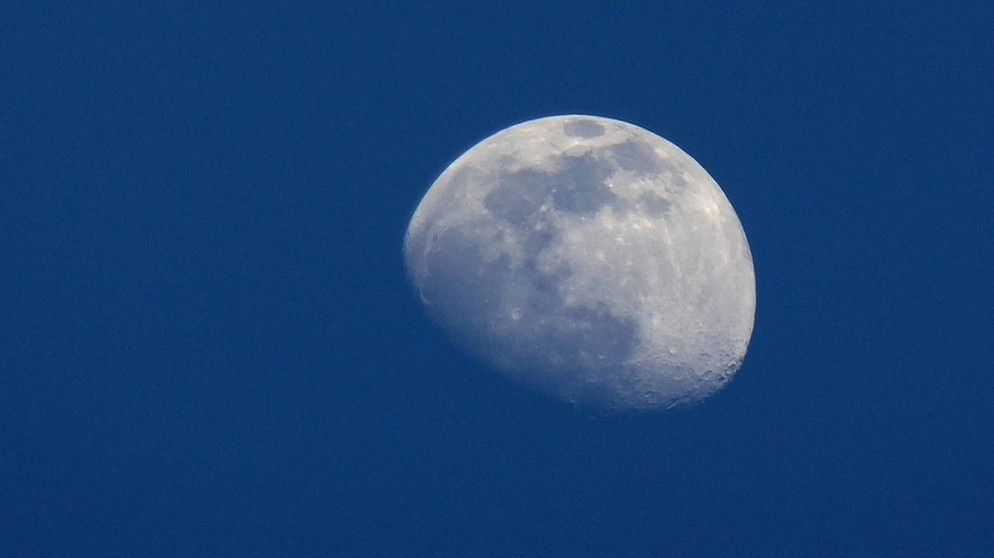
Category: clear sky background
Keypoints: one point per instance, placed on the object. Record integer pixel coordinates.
(208, 345)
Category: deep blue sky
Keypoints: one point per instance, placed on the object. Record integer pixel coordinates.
(208, 346)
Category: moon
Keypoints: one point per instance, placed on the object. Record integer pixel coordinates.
(590, 259)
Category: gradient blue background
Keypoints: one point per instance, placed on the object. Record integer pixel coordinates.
(208, 345)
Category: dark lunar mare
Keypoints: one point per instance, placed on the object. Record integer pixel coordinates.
(583, 128)
(562, 338)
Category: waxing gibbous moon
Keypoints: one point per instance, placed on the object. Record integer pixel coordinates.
(588, 258)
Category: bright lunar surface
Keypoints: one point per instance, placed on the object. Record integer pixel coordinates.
(589, 258)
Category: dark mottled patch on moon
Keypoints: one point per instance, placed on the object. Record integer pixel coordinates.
(592, 336)
(581, 186)
(543, 288)
(539, 237)
(654, 204)
(459, 275)
(518, 196)
(635, 156)
(562, 337)
(468, 293)
(583, 129)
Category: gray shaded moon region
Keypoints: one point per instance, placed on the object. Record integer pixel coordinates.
(588, 258)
